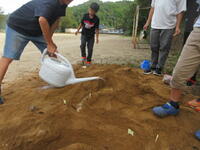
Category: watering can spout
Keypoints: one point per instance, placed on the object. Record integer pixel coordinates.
(79, 80)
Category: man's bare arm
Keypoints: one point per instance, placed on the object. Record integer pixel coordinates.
(178, 23)
(46, 30)
(55, 26)
(151, 12)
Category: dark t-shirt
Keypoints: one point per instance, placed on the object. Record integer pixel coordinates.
(191, 14)
(89, 25)
(25, 19)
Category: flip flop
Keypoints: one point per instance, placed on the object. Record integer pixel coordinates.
(197, 109)
(194, 103)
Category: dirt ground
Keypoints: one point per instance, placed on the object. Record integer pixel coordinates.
(96, 115)
(110, 50)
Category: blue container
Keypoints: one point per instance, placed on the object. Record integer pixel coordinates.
(145, 65)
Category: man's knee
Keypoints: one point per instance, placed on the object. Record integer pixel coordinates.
(6, 60)
(83, 46)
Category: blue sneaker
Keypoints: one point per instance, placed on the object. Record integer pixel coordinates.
(197, 135)
(165, 110)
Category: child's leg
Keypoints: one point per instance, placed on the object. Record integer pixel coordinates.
(90, 46)
(155, 46)
(83, 46)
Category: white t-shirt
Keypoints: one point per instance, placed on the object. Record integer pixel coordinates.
(197, 24)
(165, 12)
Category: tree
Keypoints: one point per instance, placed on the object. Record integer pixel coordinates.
(118, 15)
(2, 19)
(68, 21)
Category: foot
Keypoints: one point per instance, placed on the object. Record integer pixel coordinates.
(158, 72)
(147, 72)
(150, 71)
(197, 109)
(1, 100)
(88, 63)
(165, 110)
(197, 134)
(83, 60)
(194, 103)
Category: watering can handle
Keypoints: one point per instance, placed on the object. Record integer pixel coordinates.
(60, 56)
(57, 54)
(45, 52)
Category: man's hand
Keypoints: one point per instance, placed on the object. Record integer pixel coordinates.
(178, 23)
(146, 26)
(76, 33)
(177, 32)
(52, 48)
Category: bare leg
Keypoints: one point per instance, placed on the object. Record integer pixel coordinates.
(175, 95)
(4, 63)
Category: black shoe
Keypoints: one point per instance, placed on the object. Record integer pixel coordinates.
(1, 100)
(146, 72)
(158, 72)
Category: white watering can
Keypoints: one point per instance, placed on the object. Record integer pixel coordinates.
(59, 72)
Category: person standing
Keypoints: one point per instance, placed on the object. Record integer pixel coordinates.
(187, 65)
(35, 21)
(90, 26)
(165, 17)
(190, 18)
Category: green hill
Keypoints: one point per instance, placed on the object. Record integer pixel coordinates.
(118, 15)
(112, 14)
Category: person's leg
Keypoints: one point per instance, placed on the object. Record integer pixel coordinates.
(165, 45)
(192, 80)
(155, 46)
(90, 46)
(187, 65)
(39, 42)
(4, 63)
(14, 46)
(83, 46)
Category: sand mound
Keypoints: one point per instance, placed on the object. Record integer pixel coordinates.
(96, 116)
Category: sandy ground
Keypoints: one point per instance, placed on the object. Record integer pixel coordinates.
(111, 49)
(96, 115)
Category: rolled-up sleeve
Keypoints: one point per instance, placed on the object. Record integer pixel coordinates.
(181, 6)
